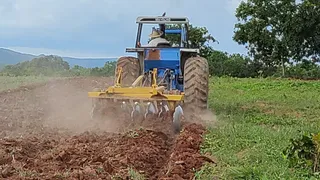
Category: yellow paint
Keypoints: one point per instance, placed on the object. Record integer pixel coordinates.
(118, 83)
(154, 77)
(153, 93)
(138, 80)
(135, 93)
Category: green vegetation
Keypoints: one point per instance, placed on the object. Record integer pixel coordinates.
(304, 152)
(53, 66)
(279, 32)
(48, 66)
(256, 120)
(135, 175)
(267, 128)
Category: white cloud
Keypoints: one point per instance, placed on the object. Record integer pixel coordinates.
(43, 25)
(74, 13)
(71, 14)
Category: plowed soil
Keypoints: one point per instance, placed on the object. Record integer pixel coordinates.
(46, 133)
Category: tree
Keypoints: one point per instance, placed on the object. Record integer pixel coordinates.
(276, 31)
(199, 37)
(45, 65)
(216, 61)
(303, 31)
(220, 63)
(261, 27)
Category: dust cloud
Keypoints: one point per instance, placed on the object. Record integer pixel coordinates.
(208, 118)
(68, 107)
(59, 104)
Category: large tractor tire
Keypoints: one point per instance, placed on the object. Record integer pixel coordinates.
(196, 84)
(130, 70)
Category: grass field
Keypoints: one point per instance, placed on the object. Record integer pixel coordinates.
(256, 120)
(14, 82)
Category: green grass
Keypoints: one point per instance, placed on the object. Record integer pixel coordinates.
(256, 120)
(15, 82)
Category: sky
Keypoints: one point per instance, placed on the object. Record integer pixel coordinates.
(104, 28)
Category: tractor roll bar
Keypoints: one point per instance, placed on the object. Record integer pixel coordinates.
(162, 20)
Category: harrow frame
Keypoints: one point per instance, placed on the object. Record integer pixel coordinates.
(154, 98)
(140, 93)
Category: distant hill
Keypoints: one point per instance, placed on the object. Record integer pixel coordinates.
(9, 57)
(12, 57)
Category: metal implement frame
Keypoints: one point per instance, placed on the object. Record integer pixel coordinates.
(139, 93)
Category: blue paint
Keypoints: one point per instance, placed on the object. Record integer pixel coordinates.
(173, 31)
(169, 59)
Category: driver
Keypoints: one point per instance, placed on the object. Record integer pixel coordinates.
(156, 38)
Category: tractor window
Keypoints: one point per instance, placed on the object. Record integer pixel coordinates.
(146, 31)
(174, 39)
(174, 34)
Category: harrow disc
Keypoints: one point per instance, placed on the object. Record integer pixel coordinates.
(101, 108)
(134, 112)
(95, 114)
(137, 112)
(150, 111)
(177, 117)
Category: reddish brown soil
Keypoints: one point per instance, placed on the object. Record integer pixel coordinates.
(46, 133)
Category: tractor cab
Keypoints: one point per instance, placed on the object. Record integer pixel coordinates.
(158, 46)
(162, 49)
(160, 52)
(178, 29)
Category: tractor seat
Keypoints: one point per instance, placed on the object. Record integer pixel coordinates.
(159, 42)
(153, 54)
(161, 45)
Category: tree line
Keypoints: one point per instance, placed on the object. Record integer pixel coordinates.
(55, 66)
(220, 64)
(284, 35)
(282, 38)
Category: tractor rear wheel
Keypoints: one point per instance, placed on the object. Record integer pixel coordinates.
(130, 70)
(196, 84)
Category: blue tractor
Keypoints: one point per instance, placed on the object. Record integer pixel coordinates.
(165, 80)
